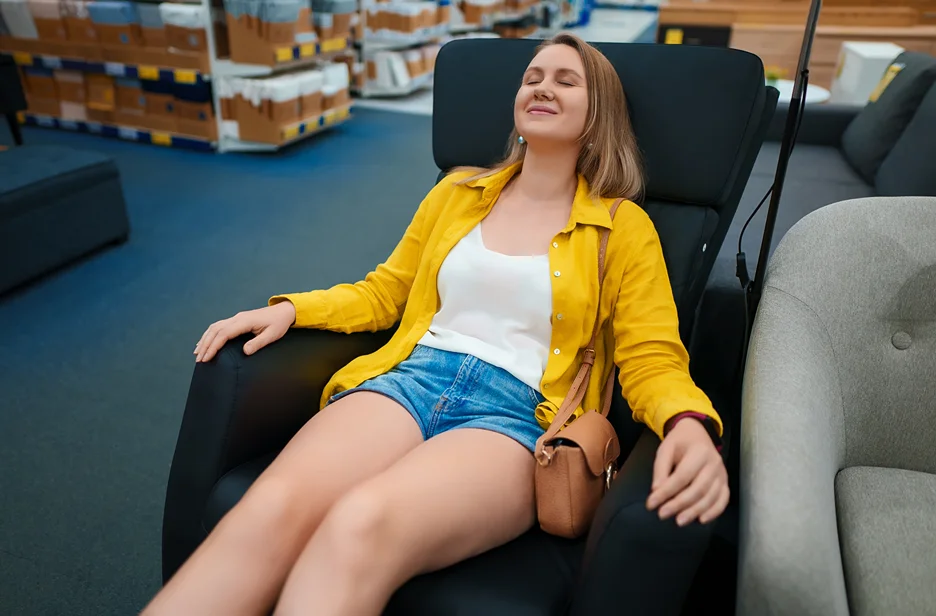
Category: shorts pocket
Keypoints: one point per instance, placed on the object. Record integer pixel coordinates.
(535, 397)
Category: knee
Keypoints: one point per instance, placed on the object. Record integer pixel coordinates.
(636, 525)
(358, 529)
(272, 503)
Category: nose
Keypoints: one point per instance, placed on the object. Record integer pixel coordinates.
(542, 94)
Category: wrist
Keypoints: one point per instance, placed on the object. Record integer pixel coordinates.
(703, 420)
(287, 308)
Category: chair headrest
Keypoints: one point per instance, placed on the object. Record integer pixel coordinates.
(692, 109)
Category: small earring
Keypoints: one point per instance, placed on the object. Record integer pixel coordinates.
(590, 144)
(521, 140)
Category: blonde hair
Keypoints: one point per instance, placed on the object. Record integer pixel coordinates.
(610, 159)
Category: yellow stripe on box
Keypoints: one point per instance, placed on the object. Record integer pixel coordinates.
(336, 44)
(150, 73)
(22, 58)
(284, 54)
(331, 117)
(185, 76)
(161, 138)
(307, 50)
(291, 133)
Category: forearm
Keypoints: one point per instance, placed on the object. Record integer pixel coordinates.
(365, 306)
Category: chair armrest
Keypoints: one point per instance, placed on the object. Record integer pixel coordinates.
(624, 533)
(821, 124)
(241, 407)
(792, 446)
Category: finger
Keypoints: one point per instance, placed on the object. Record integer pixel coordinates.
(208, 336)
(719, 507)
(702, 504)
(201, 341)
(686, 470)
(662, 466)
(263, 338)
(700, 485)
(220, 339)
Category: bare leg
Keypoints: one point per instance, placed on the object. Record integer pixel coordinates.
(241, 566)
(455, 496)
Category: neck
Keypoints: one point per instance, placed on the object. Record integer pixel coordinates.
(548, 175)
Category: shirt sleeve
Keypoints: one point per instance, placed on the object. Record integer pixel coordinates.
(653, 362)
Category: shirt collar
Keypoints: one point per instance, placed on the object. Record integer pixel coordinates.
(586, 209)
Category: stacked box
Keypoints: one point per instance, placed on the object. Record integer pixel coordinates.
(117, 23)
(18, 19)
(184, 26)
(152, 27)
(47, 17)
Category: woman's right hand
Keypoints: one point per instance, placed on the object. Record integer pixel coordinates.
(267, 324)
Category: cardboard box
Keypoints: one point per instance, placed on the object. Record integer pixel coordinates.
(71, 86)
(69, 110)
(199, 112)
(154, 37)
(120, 35)
(186, 39)
(202, 129)
(129, 117)
(130, 98)
(51, 29)
(100, 90)
(43, 106)
(159, 104)
(80, 30)
(311, 105)
(40, 84)
(100, 115)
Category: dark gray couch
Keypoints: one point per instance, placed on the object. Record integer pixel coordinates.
(818, 174)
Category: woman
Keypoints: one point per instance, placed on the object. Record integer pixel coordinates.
(421, 456)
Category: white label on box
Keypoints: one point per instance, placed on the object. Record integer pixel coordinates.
(115, 68)
(93, 127)
(127, 133)
(45, 121)
(51, 62)
(68, 124)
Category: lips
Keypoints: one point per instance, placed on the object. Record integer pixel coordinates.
(540, 110)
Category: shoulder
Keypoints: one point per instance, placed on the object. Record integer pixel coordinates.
(631, 221)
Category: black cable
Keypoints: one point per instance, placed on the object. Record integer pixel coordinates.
(741, 271)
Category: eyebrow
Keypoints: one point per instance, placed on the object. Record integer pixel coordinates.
(561, 71)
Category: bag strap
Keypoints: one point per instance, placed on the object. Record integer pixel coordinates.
(577, 392)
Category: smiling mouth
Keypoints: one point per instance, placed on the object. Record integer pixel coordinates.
(540, 111)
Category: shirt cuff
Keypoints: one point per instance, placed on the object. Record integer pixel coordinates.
(675, 419)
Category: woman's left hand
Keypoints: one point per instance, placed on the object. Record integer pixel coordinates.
(689, 476)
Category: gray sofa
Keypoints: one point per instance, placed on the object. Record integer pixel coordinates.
(838, 464)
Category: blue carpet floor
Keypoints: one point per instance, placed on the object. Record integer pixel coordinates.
(95, 359)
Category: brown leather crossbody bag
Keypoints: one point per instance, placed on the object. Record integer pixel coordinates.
(577, 463)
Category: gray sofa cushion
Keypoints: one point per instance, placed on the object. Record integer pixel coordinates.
(872, 134)
(888, 539)
(910, 168)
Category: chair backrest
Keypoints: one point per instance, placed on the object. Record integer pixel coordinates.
(700, 115)
(865, 273)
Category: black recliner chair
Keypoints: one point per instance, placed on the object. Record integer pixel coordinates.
(700, 115)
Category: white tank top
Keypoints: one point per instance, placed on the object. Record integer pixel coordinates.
(495, 307)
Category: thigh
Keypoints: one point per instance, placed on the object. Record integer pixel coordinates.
(344, 444)
(455, 496)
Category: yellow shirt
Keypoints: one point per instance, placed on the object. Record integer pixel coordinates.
(639, 328)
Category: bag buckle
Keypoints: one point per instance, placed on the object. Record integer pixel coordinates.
(610, 473)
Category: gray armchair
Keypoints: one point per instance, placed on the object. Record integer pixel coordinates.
(838, 436)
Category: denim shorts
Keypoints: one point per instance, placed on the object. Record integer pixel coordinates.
(444, 391)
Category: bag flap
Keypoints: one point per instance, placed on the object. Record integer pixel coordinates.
(595, 436)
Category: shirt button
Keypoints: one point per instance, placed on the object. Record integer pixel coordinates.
(557, 273)
(555, 351)
(555, 244)
(560, 316)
